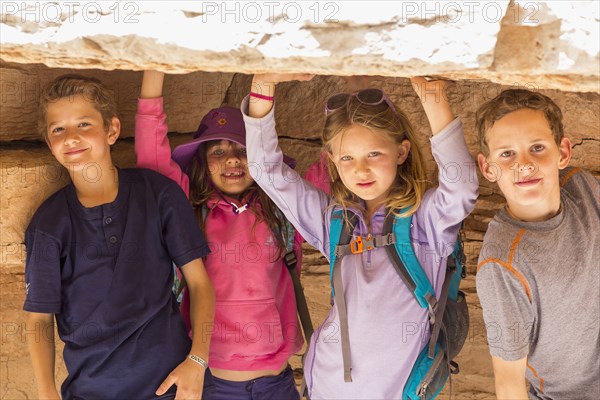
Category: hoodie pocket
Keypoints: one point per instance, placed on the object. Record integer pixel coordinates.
(248, 329)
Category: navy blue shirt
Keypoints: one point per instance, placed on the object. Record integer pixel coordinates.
(106, 273)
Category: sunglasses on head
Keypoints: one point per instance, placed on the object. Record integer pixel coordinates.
(370, 97)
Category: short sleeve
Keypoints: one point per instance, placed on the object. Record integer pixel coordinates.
(507, 311)
(184, 239)
(42, 273)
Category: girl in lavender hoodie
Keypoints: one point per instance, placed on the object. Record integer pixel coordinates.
(375, 166)
(256, 327)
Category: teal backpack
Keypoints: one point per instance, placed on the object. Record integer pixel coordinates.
(448, 315)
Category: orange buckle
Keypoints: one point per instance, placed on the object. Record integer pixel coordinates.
(356, 246)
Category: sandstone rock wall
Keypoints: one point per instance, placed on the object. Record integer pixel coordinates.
(551, 44)
(29, 174)
(486, 47)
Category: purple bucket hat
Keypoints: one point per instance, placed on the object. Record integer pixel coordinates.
(224, 123)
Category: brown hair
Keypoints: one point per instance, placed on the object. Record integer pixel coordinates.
(512, 100)
(411, 180)
(73, 85)
(201, 189)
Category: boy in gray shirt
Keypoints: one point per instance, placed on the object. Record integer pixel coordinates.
(538, 272)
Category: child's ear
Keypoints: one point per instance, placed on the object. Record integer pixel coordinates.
(114, 130)
(489, 171)
(564, 152)
(403, 151)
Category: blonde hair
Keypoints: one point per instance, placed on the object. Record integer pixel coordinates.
(513, 100)
(201, 189)
(70, 85)
(411, 183)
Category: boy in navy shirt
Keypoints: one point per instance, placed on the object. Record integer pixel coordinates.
(99, 260)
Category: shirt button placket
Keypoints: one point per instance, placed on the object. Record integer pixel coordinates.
(109, 231)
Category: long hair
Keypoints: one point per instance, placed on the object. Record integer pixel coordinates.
(201, 189)
(410, 184)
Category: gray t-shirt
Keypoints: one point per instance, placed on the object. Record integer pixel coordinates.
(539, 286)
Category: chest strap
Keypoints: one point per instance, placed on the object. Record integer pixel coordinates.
(361, 244)
(355, 246)
(418, 285)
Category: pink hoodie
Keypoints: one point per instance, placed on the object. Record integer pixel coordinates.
(318, 175)
(256, 325)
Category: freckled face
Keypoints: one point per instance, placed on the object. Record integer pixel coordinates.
(367, 163)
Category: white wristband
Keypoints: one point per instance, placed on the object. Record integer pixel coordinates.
(198, 360)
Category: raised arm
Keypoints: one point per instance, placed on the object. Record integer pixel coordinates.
(151, 142)
(152, 84)
(300, 201)
(443, 209)
(435, 103)
(263, 84)
(41, 347)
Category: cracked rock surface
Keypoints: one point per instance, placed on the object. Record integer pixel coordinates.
(551, 44)
(546, 46)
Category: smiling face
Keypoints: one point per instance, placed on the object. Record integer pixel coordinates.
(524, 160)
(228, 167)
(367, 162)
(76, 134)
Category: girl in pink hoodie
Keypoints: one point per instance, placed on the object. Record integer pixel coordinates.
(256, 327)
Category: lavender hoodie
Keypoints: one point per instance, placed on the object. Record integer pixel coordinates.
(387, 327)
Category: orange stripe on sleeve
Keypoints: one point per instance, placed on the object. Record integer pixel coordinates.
(514, 245)
(568, 176)
(536, 375)
(508, 265)
(513, 271)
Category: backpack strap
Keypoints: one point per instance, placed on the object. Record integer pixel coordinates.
(396, 232)
(449, 291)
(335, 232)
(406, 263)
(458, 260)
(410, 271)
(339, 235)
(291, 262)
(361, 244)
(436, 325)
(408, 267)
